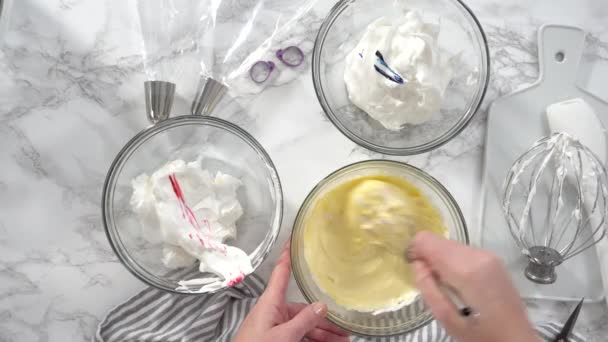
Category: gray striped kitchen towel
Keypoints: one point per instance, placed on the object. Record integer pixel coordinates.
(154, 315)
(433, 332)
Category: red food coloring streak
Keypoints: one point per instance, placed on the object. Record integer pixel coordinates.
(188, 214)
(237, 280)
(186, 211)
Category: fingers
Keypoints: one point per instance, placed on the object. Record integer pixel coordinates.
(320, 335)
(443, 256)
(279, 279)
(438, 302)
(295, 308)
(304, 322)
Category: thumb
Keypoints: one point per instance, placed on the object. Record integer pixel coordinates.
(305, 321)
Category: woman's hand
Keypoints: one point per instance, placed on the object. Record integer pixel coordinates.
(273, 319)
(482, 282)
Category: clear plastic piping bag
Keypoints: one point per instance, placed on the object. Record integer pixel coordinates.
(171, 30)
(225, 37)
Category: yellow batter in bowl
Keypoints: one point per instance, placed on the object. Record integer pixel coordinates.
(355, 239)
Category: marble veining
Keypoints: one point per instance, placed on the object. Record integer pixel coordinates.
(71, 74)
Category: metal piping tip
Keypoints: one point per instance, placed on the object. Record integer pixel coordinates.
(208, 95)
(159, 100)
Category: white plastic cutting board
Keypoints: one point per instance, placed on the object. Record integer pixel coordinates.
(515, 122)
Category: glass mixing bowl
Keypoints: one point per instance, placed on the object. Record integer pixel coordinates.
(460, 34)
(397, 322)
(223, 147)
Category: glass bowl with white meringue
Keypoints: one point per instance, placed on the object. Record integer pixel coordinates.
(192, 204)
(400, 77)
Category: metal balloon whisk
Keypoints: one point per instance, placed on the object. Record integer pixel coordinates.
(555, 201)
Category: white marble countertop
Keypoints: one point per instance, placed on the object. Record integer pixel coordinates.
(71, 78)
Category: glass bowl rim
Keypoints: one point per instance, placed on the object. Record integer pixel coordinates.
(432, 182)
(139, 139)
(462, 123)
